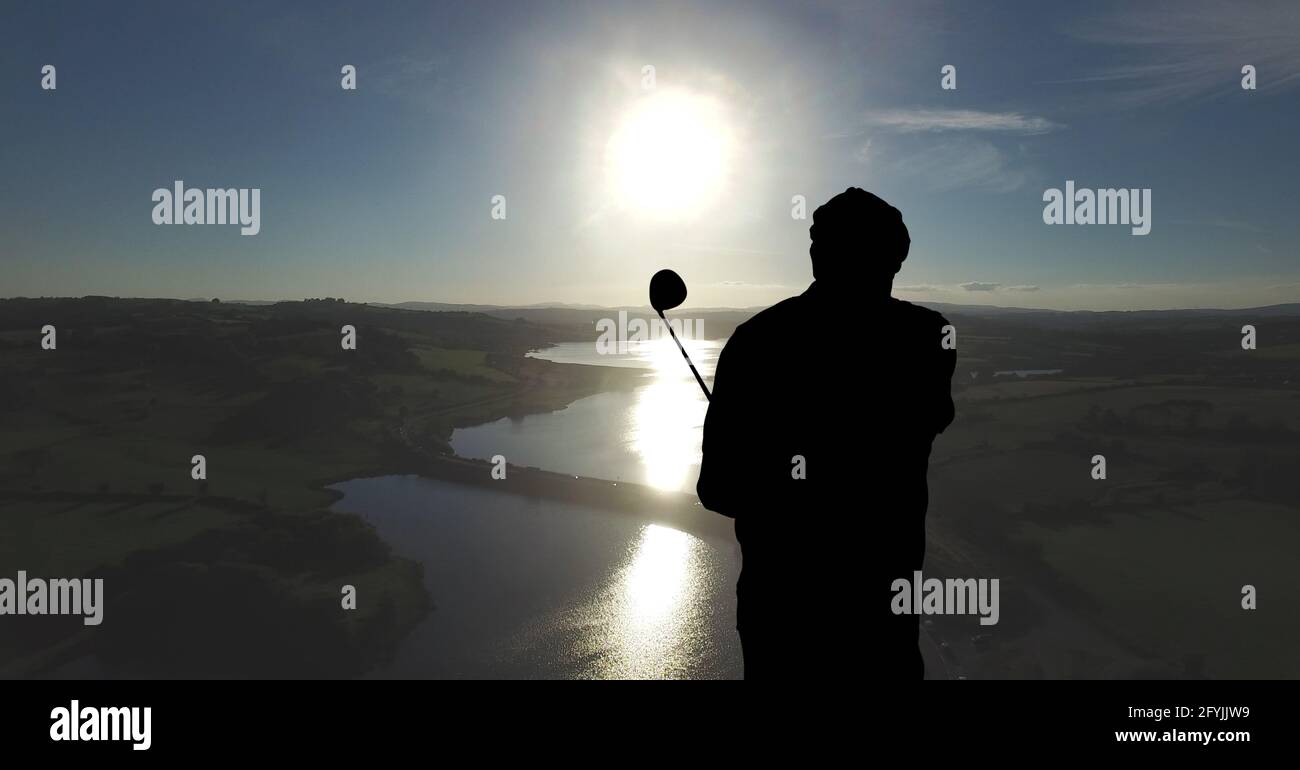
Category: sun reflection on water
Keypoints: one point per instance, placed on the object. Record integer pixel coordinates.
(668, 414)
(650, 619)
(653, 583)
(654, 613)
(652, 616)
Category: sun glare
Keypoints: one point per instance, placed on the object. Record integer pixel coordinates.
(669, 156)
(667, 417)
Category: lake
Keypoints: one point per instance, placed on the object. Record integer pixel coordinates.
(528, 588)
(649, 435)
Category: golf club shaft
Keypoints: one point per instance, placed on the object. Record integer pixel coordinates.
(707, 396)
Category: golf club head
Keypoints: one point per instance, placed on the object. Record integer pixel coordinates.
(667, 290)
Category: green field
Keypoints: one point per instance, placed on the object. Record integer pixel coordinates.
(1139, 574)
(99, 436)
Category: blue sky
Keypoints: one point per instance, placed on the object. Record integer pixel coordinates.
(384, 193)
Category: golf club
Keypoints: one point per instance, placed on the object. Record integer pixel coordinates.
(667, 291)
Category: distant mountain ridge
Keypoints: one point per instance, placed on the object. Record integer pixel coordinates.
(471, 308)
(1282, 309)
(583, 309)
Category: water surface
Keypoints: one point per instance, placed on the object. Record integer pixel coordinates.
(530, 588)
(649, 435)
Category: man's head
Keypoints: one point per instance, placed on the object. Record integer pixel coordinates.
(857, 238)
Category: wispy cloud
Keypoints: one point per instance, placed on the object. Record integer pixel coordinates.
(1143, 286)
(956, 164)
(957, 151)
(930, 120)
(982, 286)
(1188, 50)
(1255, 291)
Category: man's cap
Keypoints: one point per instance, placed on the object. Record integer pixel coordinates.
(856, 217)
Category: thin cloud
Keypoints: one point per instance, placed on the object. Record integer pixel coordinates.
(984, 286)
(1109, 286)
(924, 120)
(1186, 51)
(956, 164)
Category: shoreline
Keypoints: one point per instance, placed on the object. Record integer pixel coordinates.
(681, 510)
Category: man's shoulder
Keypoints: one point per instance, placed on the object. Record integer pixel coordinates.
(771, 323)
(786, 314)
(919, 314)
(776, 316)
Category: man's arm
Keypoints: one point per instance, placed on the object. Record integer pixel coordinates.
(722, 484)
(947, 364)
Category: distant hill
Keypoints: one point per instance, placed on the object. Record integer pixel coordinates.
(578, 321)
(573, 321)
(1286, 309)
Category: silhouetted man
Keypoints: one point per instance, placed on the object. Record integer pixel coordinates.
(816, 442)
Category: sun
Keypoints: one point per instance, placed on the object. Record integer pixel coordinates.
(669, 156)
